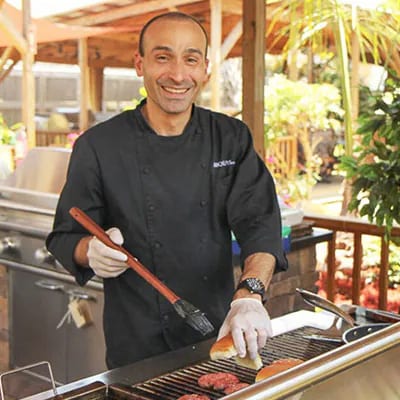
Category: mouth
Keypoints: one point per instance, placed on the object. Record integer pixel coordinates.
(175, 91)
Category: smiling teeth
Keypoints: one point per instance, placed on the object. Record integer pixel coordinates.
(172, 90)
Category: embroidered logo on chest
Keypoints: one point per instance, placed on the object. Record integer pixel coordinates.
(223, 163)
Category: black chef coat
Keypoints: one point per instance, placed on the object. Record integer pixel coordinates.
(175, 200)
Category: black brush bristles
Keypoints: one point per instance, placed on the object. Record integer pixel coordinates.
(193, 317)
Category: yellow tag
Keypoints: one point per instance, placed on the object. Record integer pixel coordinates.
(80, 312)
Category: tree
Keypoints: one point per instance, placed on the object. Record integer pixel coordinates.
(322, 24)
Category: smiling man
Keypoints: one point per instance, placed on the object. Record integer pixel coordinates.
(173, 64)
(170, 181)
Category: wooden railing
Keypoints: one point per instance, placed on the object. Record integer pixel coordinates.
(283, 151)
(358, 228)
(52, 138)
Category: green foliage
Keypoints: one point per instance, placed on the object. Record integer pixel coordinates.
(7, 134)
(293, 105)
(136, 102)
(372, 258)
(375, 166)
(296, 108)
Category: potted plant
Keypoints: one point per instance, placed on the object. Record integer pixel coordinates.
(374, 169)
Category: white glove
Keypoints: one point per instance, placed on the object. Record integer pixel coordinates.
(105, 261)
(250, 326)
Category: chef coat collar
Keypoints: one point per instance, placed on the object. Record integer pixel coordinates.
(193, 124)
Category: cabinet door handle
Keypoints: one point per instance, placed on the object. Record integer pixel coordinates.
(49, 285)
(81, 294)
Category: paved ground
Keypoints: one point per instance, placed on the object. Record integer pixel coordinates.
(326, 197)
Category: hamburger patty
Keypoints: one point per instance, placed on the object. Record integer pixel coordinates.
(194, 397)
(217, 380)
(235, 387)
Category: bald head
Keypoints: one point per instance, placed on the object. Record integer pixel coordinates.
(171, 16)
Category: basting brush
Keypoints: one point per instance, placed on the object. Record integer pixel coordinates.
(192, 315)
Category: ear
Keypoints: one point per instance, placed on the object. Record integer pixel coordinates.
(207, 74)
(138, 64)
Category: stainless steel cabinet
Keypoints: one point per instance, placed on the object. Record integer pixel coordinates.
(38, 300)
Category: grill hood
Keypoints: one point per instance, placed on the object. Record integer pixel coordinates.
(38, 179)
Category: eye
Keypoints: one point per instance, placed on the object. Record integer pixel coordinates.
(162, 57)
(192, 60)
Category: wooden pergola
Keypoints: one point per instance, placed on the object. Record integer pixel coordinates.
(235, 28)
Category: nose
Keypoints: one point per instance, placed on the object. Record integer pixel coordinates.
(177, 71)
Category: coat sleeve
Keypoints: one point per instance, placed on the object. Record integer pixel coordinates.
(82, 189)
(253, 209)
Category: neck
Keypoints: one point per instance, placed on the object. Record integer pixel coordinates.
(165, 124)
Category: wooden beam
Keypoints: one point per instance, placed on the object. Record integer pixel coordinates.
(5, 73)
(253, 71)
(129, 11)
(11, 32)
(28, 79)
(232, 7)
(83, 84)
(5, 56)
(230, 40)
(215, 42)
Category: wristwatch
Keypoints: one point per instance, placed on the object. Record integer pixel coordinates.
(253, 285)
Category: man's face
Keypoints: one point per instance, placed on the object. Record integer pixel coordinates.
(174, 67)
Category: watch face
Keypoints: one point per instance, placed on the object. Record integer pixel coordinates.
(254, 285)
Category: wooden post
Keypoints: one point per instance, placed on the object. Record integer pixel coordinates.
(331, 268)
(357, 262)
(83, 84)
(96, 78)
(28, 79)
(253, 49)
(215, 44)
(384, 274)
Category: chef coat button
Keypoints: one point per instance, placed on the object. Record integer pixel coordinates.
(205, 278)
(157, 245)
(165, 317)
(145, 170)
(151, 207)
(203, 165)
(203, 203)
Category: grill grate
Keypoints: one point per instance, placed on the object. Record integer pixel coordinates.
(184, 381)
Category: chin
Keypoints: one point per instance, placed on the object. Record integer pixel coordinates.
(177, 108)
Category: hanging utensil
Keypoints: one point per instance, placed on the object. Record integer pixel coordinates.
(192, 315)
(318, 301)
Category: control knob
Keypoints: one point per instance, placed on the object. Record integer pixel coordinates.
(42, 255)
(10, 243)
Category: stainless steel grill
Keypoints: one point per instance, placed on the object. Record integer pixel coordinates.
(28, 200)
(371, 364)
(173, 385)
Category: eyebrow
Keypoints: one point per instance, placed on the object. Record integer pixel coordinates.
(190, 50)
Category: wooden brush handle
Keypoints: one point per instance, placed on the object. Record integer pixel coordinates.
(133, 262)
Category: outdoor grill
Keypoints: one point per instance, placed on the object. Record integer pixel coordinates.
(173, 385)
(28, 200)
(367, 368)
